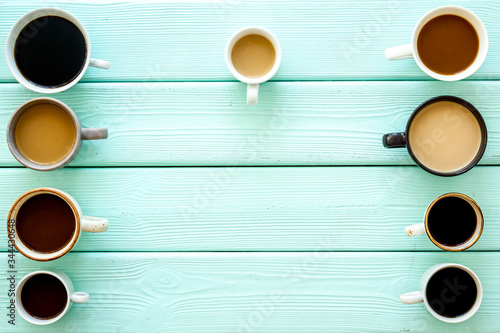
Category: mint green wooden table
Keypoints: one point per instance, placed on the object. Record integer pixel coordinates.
(285, 217)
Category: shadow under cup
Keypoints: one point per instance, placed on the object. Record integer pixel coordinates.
(445, 136)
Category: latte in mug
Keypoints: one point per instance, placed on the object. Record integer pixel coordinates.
(445, 135)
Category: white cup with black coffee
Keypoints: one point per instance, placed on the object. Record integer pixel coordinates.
(43, 297)
(48, 50)
(451, 292)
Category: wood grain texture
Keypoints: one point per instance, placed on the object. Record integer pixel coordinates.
(185, 40)
(178, 172)
(259, 209)
(296, 123)
(282, 292)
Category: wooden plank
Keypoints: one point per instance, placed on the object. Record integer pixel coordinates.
(259, 209)
(297, 123)
(248, 292)
(184, 40)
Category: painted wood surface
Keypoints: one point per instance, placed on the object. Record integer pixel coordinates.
(259, 209)
(297, 123)
(190, 176)
(177, 40)
(249, 292)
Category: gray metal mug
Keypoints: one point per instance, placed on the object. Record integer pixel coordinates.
(81, 134)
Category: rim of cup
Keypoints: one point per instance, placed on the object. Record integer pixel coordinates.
(471, 311)
(16, 29)
(468, 106)
(250, 31)
(11, 141)
(22, 248)
(479, 224)
(22, 311)
(472, 19)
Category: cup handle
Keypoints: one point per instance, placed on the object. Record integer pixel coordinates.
(412, 298)
(252, 94)
(94, 133)
(399, 52)
(94, 224)
(79, 297)
(415, 229)
(99, 63)
(394, 140)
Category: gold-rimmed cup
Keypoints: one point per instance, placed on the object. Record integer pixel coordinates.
(453, 222)
(42, 219)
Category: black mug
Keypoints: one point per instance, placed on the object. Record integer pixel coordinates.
(445, 136)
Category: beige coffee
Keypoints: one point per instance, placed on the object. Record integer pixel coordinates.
(253, 56)
(45, 134)
(445, 136)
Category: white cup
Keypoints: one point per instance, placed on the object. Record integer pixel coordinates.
(19, 26)
(423, 227)
(253, 83)
(410, 50)
(420, 295)
(73, 297)
(83, 223)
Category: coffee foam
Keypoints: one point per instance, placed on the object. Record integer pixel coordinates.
(445, 136)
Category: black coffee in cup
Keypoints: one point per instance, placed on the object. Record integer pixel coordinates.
(50, 51)
(45, 223)
(44, 296)
(451, 292)
(452, 221)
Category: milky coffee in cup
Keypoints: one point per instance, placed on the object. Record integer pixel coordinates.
(45, 133)
(445, 136)
(253, 55)
(448, 44)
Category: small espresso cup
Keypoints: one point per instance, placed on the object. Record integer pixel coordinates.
(44, 297)
(451, 292)
(46, 223)
(453, 222)
(249, 57)
(29, 29)
(46, 125)
(412, 50)
(445, 136)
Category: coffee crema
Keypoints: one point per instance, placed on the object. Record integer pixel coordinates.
(45, 223)
(45, 134)
(44, 296)
(253, 56)
(448, 44)
(50, 51)
(445, 136)
(451, 292)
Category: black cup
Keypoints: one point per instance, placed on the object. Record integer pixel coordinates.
(399, 140)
